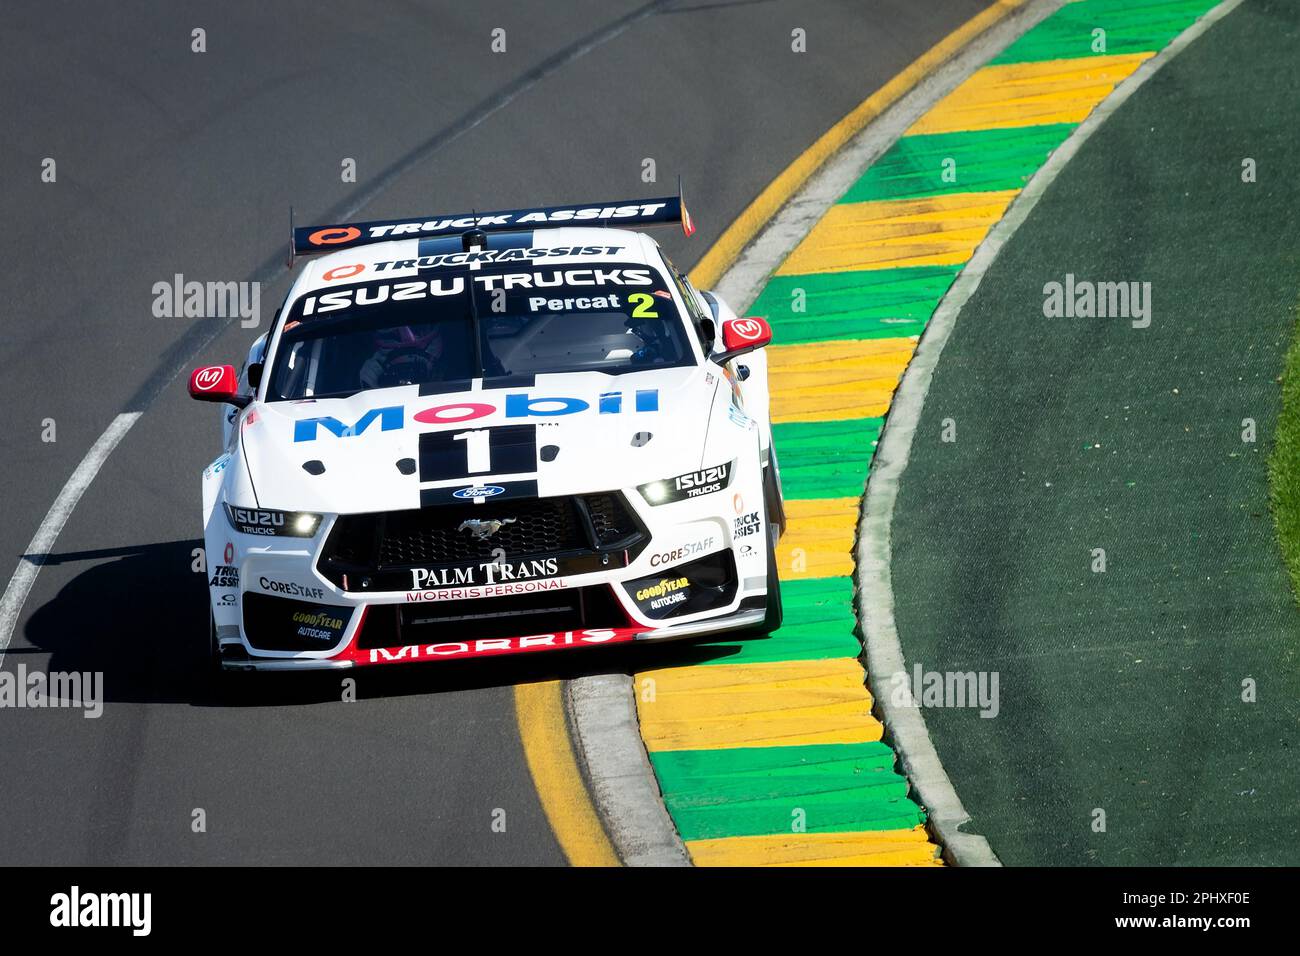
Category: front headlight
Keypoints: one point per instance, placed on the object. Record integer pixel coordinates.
(690, 485)
(265, 521)
(657, 492)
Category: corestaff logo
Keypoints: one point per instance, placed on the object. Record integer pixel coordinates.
(76, 909)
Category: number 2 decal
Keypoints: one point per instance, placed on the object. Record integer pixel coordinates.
(644, 306)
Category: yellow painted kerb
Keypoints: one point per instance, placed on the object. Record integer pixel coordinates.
(767, 704)
(818, 539)
(835, 380)
(898, 233)
(715, 262)
(1029, 94)
(539, 711)
(875, 848)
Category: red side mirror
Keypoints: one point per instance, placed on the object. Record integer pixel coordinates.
(743, 335)
(216, 383)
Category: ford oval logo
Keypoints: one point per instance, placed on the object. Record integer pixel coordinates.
(487, 491)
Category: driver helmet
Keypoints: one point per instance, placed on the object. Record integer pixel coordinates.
(404, 337)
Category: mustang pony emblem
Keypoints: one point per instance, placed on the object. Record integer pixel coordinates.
(482, 530)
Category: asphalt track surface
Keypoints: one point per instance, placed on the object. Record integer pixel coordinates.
(172, 162)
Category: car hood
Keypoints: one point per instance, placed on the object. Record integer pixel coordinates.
(390, 449)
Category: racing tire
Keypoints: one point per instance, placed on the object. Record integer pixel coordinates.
(213, 663)
(775, 612)
(771, 508)
(223, 687)
(211, 675)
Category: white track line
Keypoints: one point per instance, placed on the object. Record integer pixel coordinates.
(29, 565)
(875, 586)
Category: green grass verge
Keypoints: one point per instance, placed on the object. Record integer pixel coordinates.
(1284, 465)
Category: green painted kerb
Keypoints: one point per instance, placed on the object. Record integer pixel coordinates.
(826, 788)
(940, 164)
(819, 625)
(874, 304)
(825, 459)
(1131, 26)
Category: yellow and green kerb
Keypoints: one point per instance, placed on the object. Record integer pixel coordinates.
(770, 754)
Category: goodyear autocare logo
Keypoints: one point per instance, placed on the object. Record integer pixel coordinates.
(665, 593)
(318, 625)
(665, 586)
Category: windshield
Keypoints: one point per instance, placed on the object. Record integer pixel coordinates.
(422, 330)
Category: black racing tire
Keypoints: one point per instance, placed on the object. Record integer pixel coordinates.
(213, 663)
(773, 499)
(775, 612)
(212, 677)
(222, 687)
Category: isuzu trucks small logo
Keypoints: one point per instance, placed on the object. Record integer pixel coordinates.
(482, 530)
(75, 908)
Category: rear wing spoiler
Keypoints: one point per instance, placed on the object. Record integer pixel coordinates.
(309, 240)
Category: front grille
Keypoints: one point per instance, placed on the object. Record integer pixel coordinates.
(611, 519)
(438, 536)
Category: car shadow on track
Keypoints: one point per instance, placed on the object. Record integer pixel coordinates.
(139, 615)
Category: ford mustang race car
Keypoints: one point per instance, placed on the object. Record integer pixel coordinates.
(485, 434)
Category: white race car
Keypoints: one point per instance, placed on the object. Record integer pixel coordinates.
(466, 436)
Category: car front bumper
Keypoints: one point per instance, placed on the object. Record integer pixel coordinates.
(235, 657)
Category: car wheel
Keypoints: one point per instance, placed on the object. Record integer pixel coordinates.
(772, 498)
(775, 613)
(213, 663)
